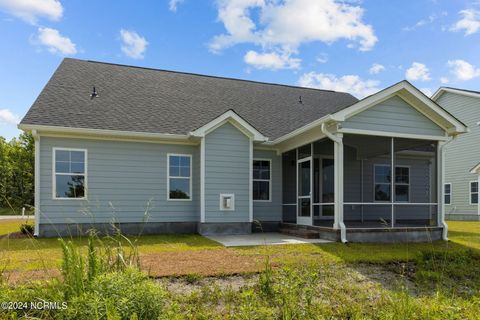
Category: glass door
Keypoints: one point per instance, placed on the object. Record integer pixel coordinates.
(304, 187)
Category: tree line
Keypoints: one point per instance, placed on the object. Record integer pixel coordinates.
(17, 163)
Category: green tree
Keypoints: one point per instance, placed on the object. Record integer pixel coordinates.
(17, 171)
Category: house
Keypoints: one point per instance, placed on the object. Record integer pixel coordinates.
(462, 155)
(168, 152)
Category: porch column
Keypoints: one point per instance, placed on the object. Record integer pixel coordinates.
(338, 214)
(441, 188)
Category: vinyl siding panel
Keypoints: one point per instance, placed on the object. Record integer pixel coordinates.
(227, 170)
(272, 210)
(463, 153)
(394, 115)
(126, 181)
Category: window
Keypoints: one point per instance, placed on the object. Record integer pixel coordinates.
(473, 192)
(179, 177)
(69, 181)
(261, 180)
(447, 191)
(402, 184)
(383, 183)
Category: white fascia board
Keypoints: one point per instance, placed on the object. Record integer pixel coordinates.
(102, 132)
(376, 98)
(233, 118)
(442, 90)
(309, 126)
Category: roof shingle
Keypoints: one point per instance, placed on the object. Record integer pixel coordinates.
(158, 101)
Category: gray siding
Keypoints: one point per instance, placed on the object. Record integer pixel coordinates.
(272, 210)
(394, 115)
(463, 153)
(227, 170)
(124, 179)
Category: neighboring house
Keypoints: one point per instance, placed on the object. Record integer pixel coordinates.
(462, 154)
(159, 151)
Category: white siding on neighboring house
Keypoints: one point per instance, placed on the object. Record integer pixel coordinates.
(462, 154)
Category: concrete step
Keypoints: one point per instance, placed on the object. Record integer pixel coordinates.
(301, 233)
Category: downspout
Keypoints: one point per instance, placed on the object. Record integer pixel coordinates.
(442, 193)
(36, 138)
(339, 145)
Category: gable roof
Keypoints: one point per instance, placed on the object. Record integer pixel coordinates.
(143, 100)
(469, 93)
(412, 96)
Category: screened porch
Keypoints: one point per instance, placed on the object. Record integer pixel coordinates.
(370, 193)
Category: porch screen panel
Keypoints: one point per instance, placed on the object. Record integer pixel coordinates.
(289, 186)
(323, 195)
(367, 181)
(415, 188)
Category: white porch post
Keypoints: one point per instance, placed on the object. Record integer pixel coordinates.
(338, 214)
(441, 188)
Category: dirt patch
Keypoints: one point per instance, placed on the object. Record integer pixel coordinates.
(15, 235)
(201, 262)
(182, 285)
(16, 277)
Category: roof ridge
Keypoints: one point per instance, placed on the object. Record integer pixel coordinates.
(208, 76)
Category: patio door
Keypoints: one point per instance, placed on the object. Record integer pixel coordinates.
(304, 191)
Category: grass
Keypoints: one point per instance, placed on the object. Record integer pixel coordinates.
(439, 280)
(14, 212)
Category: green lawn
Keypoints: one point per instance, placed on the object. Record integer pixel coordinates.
(439, 280)
(31, 254)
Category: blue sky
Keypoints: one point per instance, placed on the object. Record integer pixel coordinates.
(359, 46)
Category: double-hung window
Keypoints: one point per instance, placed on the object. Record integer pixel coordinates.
(69, 173)
(473, 192)
(383, 183)
(179, 177)
(447, 192)
(261, 180)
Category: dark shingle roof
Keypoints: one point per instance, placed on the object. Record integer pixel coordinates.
(158, 101)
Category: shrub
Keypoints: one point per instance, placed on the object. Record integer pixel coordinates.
(27, 229)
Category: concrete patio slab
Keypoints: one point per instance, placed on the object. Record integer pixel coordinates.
(258, 239)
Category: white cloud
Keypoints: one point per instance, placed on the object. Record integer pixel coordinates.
(352, 84)
(173, 4)
(423, 22)
(285, 25)
(32, 10)
(376, 68)
(8, 117)
(444, 80)
(55, 42)
(418, 71)
(463, 70)
(470, 22)
(272, 60)
(134, 45)
(322, 58)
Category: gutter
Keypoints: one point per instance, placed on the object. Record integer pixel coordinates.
(339, 144)
(36, 138)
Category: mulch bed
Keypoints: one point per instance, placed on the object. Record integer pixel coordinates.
(15, 235)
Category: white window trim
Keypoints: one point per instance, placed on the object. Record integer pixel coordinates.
(449, 194)
(402, 184)
(54, 173)
(375, 182)
(168, 176)
(470, 192)
(269, 180)
(223, 195)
